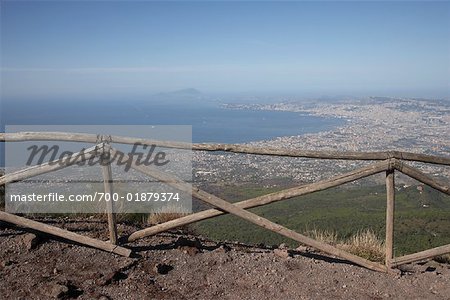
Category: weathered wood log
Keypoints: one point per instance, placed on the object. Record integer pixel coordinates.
(260, 221)
(235, 148)
(51, 166)
(108, 185)
(433, 159)
(430, 253)
(390, 203)
(267, 224)
(261, 200)
(420, 176)
(88, 138)
(65, 234)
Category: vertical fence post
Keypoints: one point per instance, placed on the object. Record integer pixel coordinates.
(390, 197)
(108, 185)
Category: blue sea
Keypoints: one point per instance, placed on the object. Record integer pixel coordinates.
(211, 122)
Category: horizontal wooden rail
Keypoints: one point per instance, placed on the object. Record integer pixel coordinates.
(68, 235)
(420, 176)
(235, 148)
(262, 200)
(406, 259)
(88, 138)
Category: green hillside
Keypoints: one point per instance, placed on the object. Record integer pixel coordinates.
(422, 218)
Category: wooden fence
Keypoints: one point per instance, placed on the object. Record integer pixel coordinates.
(388, 163)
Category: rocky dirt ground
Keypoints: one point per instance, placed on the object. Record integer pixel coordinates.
(178, 265)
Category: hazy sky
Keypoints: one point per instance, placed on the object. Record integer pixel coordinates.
(91, 49)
